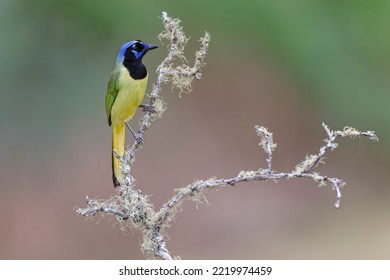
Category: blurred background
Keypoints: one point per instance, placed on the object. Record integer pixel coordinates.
(286, 65)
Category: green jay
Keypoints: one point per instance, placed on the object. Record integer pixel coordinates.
(125, 91)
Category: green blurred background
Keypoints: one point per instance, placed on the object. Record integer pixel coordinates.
(287, 65)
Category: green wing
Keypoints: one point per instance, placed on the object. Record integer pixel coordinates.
(112, 92)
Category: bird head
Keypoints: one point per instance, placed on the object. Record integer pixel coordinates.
(134, 50)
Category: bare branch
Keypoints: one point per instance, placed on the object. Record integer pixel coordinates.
(133, 208)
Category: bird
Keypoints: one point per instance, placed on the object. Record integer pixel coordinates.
(125, 91)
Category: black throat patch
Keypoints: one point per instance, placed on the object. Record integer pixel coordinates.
(136, 69)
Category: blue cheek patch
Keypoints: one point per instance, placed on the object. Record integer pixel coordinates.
(137, 54)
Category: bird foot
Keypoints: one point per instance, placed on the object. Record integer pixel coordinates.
(137, 136)
(148, 108)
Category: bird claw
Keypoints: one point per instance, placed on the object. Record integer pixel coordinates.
(137, 135)
(148, 108)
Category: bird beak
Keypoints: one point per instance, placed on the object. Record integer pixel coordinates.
(150, 47)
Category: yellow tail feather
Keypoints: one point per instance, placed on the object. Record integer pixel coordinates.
(118, 145)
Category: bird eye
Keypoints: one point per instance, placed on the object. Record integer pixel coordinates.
(137, 47)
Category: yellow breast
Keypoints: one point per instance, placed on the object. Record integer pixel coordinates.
(130, 95)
